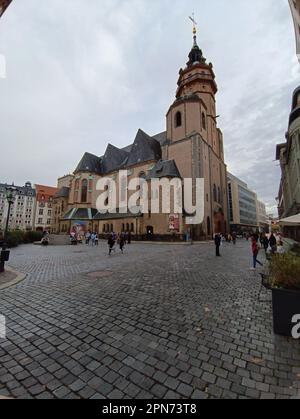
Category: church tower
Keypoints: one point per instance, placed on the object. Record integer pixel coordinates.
(195, 142)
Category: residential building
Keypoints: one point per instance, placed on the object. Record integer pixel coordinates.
(262, 217)
(242, 202)
(288, 154)
(191, 147)
(22, 210)
(44, 207)
(295, 9)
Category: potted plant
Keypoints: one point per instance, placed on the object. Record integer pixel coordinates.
(284, 280)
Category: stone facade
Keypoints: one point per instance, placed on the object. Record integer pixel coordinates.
(191, 147)
(22, 210)
(288, 154)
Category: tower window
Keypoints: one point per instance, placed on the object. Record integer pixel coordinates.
(215, 193)
(178, 120)
(203, 121)
(84, 191)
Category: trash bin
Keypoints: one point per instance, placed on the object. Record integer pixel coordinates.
(4, 255)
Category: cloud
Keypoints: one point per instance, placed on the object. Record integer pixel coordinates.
(82, 74)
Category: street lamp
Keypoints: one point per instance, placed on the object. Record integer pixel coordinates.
(10, 197)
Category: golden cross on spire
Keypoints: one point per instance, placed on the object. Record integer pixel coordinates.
(192, 18)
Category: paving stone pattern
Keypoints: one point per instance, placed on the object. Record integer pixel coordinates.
(167, 322)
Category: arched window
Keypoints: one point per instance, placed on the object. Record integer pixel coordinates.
(215, 193)
(84, 191)
(112, 228)
(103, 228)
(127, 227)
(203, 121)
(123, 228)
(132, 228)
(208, 227)
(178, 120)
(219, 195)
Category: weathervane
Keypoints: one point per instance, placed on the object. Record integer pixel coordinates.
(194, 24)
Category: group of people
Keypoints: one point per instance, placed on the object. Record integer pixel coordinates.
(120, 239)
(271, 245)
(91, 238)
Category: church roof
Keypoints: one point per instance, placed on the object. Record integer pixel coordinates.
(89, 163)
(164, 169)
(145, 148)
(113, 159)
(62, 193)
(80, 214)
(196, 55)
(161, 137)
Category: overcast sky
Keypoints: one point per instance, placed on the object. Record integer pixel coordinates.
(84, 73)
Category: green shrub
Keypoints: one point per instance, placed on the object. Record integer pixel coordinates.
(32, 236)
(14, 238)
(285, 271)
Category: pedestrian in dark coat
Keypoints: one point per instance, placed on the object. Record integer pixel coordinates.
(122, 242)
(218, 241)
(111, 242)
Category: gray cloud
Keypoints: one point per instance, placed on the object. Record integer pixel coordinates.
(82, 73)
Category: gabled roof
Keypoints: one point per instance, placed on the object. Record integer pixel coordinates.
(80, 214)
(145, 148)
(113, 159)
(89, 163)
(164, 169)
(161, 138)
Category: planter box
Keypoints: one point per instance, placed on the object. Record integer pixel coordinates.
(286, 304)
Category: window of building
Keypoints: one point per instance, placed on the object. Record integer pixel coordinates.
(41, 212)
(84, 191)
(178, 120)
(132, 228)
(215, 193)
(208, 227)
(219, 195)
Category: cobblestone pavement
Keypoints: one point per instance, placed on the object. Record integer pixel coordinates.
(160, 321)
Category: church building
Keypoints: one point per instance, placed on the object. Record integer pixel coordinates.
(191, 147)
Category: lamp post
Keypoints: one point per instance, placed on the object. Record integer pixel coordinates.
(10, 196)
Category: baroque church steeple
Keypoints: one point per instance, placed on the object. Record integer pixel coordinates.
(196, 55)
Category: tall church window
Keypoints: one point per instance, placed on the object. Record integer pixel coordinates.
(178, 120)
(84, 191)
(203, 121)
(215, 193)
(208, 227)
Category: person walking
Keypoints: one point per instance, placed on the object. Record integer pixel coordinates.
(255, 251)
(265, 243)
(129, 237)
(218, 244)
(96, 239)
(273, 243)
(111, 242)
(122, 242)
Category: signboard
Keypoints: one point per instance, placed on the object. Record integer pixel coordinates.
(174, 223)
(79, 228)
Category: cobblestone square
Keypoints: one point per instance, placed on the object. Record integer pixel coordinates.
(160, 321)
